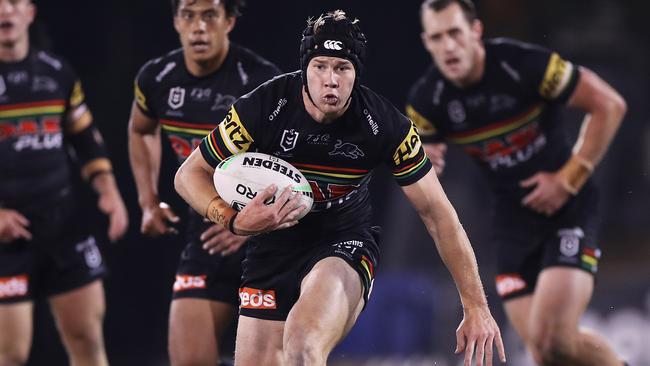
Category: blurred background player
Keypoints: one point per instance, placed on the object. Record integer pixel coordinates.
(45, 249)
(184, 93)
(316, 276)
(497, 99)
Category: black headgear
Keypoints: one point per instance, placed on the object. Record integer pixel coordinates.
(336, 38)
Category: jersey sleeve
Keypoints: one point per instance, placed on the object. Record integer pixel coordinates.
(77, 114)
(142, 87)
(420, 110)
(408, 162)
(552, 77)
(235, 134)
(81, 133)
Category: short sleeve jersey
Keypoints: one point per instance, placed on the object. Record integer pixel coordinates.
(336, 158)
(507, 121)
(189, 107)
(36, 96)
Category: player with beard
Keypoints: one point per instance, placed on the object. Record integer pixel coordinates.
(498, 99)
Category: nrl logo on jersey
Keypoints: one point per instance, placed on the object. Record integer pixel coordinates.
(289, 139)
(176, 97)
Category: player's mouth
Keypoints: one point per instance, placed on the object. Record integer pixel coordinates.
(6, 26)
(330, 99)
(452, 62)
(199, 46)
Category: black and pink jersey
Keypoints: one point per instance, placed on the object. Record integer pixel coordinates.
(507, 121)
(41, 101)
(337, 158)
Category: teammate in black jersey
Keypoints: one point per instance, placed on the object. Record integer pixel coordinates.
(185, 92)
(303, 287)
(45, 248)
(497, 99)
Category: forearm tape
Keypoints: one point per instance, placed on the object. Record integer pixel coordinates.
(90, 150)
(221, 213)
(575, 173)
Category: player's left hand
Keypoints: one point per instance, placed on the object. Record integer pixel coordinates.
(217, 239)
(548, 194)
(111, 204)
(479, 331)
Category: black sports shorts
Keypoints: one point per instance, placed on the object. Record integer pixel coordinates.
(62, 256)
(273, 271)
(204, 276)
(529, 242)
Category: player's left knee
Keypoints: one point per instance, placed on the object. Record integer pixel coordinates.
(301, 347)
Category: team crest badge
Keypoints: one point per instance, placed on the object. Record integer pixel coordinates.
(570, 241)
(456, 111)
(176, 97)
(289, 139)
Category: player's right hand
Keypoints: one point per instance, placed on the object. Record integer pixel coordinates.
(258, 217)
(436, 153)
(156, 219)
(13, 226)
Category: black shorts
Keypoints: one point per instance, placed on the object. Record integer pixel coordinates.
(204, 276)
(273, 271)
(61, 257)
(528, 242)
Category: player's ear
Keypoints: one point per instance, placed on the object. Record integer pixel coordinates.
(32, 12)
(425, 40)
(177, 24)
(230, 23)
(477, 29)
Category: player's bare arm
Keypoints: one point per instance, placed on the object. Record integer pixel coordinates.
(478, 331)
(96, 167)
(145, 154)
(605, 109)
(110, 203)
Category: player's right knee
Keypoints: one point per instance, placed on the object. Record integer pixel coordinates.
(553, 349)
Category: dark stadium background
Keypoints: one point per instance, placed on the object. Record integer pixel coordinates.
(415, 309)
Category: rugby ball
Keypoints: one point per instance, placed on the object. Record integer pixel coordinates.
(239, 178)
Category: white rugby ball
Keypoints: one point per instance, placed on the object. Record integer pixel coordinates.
(239, 178)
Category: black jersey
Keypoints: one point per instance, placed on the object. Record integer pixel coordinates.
(189, 107)
(336, 158)
(36, 96)
(507, 121)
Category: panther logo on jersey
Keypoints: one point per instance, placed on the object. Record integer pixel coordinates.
(347, 149)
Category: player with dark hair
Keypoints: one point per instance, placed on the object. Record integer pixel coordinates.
(45, 248)
(304, 286)
(498, 100)
(184, 93)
